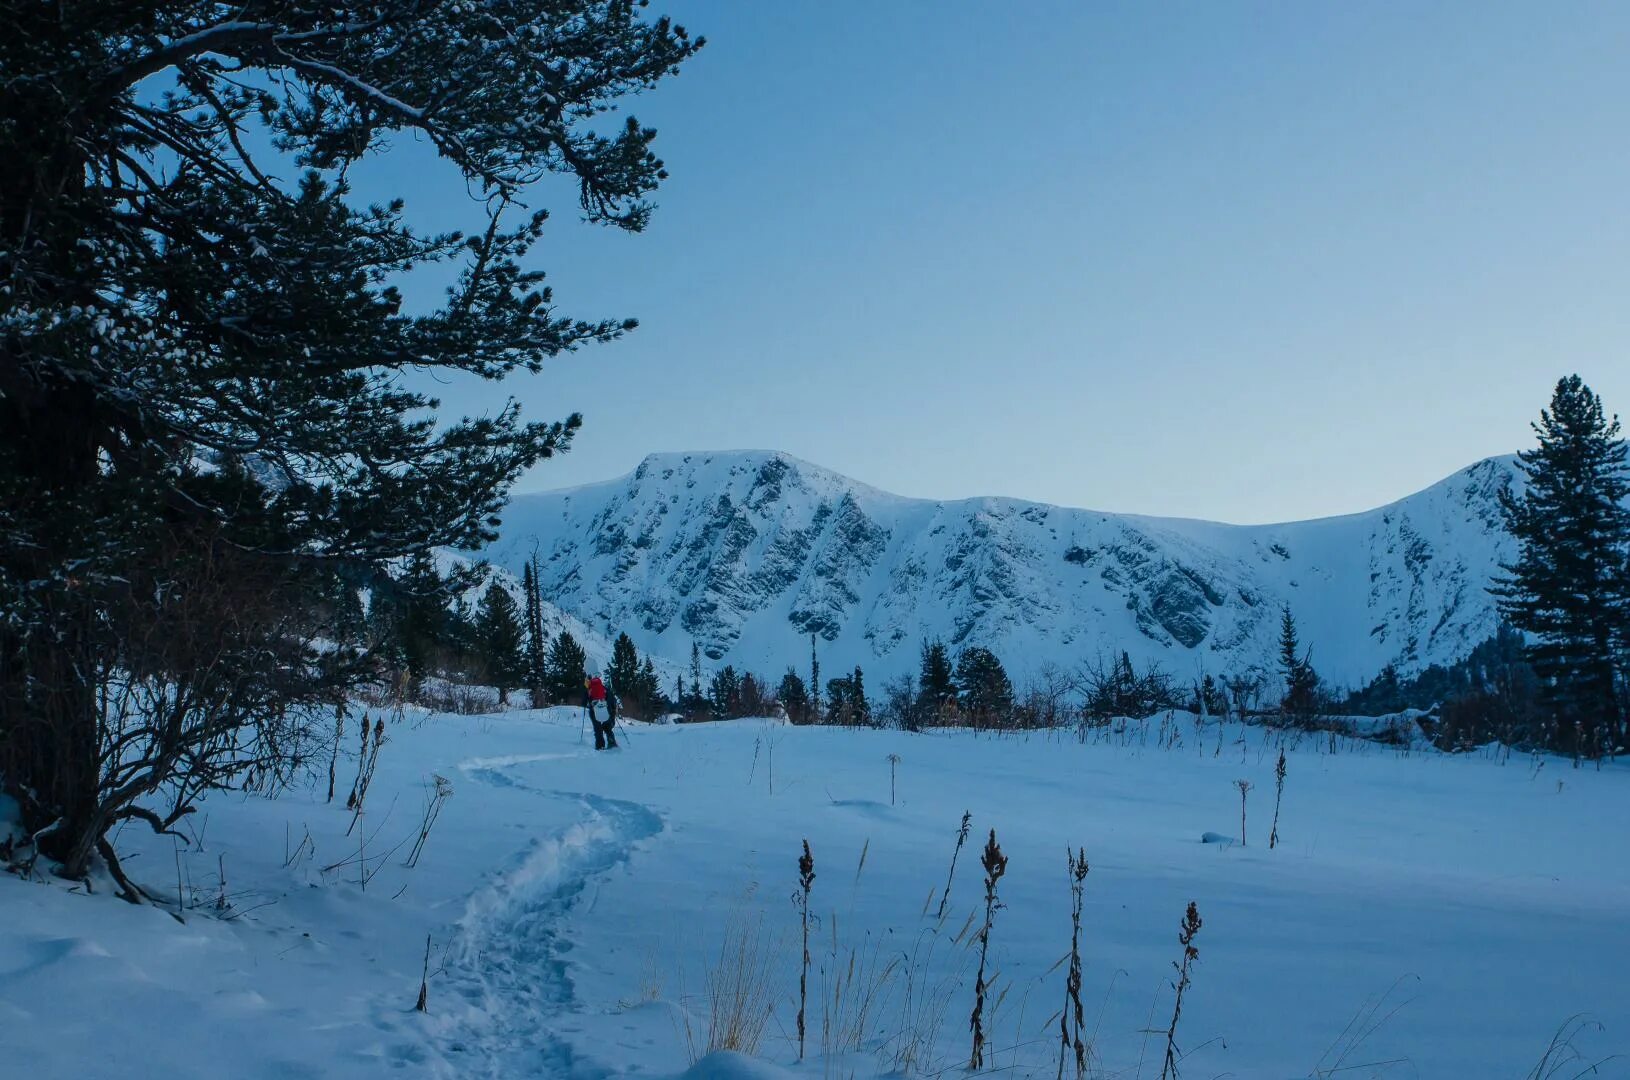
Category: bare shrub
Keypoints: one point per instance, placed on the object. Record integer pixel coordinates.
(206, 678)
(1116, 688)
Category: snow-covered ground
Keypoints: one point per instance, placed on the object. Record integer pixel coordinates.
(1423, 915)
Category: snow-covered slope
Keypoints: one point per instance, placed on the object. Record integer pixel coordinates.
(1421, 915)
(748, 553)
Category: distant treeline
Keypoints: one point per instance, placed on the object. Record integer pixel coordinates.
(1552, 677)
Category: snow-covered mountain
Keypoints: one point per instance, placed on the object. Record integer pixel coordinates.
(749, 553)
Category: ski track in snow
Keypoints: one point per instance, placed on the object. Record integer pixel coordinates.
(509, 959)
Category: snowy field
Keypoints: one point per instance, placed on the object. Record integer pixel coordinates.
(1423, 916)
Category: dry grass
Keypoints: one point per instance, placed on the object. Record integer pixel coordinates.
(856, 985)
(741, 990)
(1563, 1060)
(925, 998)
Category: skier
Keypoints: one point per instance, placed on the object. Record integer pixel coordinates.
(594, 693)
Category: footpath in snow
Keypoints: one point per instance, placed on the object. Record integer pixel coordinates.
(1423, 915)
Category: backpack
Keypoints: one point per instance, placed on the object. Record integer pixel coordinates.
(597, 689)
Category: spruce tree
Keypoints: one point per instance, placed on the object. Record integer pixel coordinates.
(648, 689)
(1567, 587)
(794, 697)
(935, 681)
(536, 639)
(202, 344)
(567, 663)
(1301, 683)
(724, 694)
(987, 692)
(423, 622)
(623, 672)
(814, 679)
(860, 707)
(500, 640)
(839, 702)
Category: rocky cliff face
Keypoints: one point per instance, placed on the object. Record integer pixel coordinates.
(747, 554)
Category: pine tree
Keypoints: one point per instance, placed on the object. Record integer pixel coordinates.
(567, 663)
(839, 702)
(724, 694)
(1567, 588)
(1210, 699)
(987, 692)
(204, 337)
(623, 672)
(1301, 683)
(935, 682)
(861, 708)
(537, 642)
(814, 679)
(499, 640)
(422, 624)
(794, 697)
(648, 689)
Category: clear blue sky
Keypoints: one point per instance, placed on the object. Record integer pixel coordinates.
(1248, 262)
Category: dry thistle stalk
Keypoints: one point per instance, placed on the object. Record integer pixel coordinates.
(995, 864)
(442, 791)
(365, 769)
(1278, 794)
(806, 878)
(1244, 788)
(1073, 1010)
(423, 1004)
(339, 734)
(961, 838)
(1186, 933)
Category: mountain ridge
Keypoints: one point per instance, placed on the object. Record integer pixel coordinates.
(747, 553)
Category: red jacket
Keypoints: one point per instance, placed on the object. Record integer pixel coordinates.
(597, 689)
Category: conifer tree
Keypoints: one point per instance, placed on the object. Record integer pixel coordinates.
(935, 682)
(499, 640)
(624, 670)
(649, 689)
(202, 341)
(567, 663)
(839, 703)
(861, 708)
(987, 692)
(724, 694)
(794, 697)
(814, 679)
(422, 626)
(536, 640)
(1301, 683)
(1567, 587)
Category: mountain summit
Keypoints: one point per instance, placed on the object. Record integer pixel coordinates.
(748, 553)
